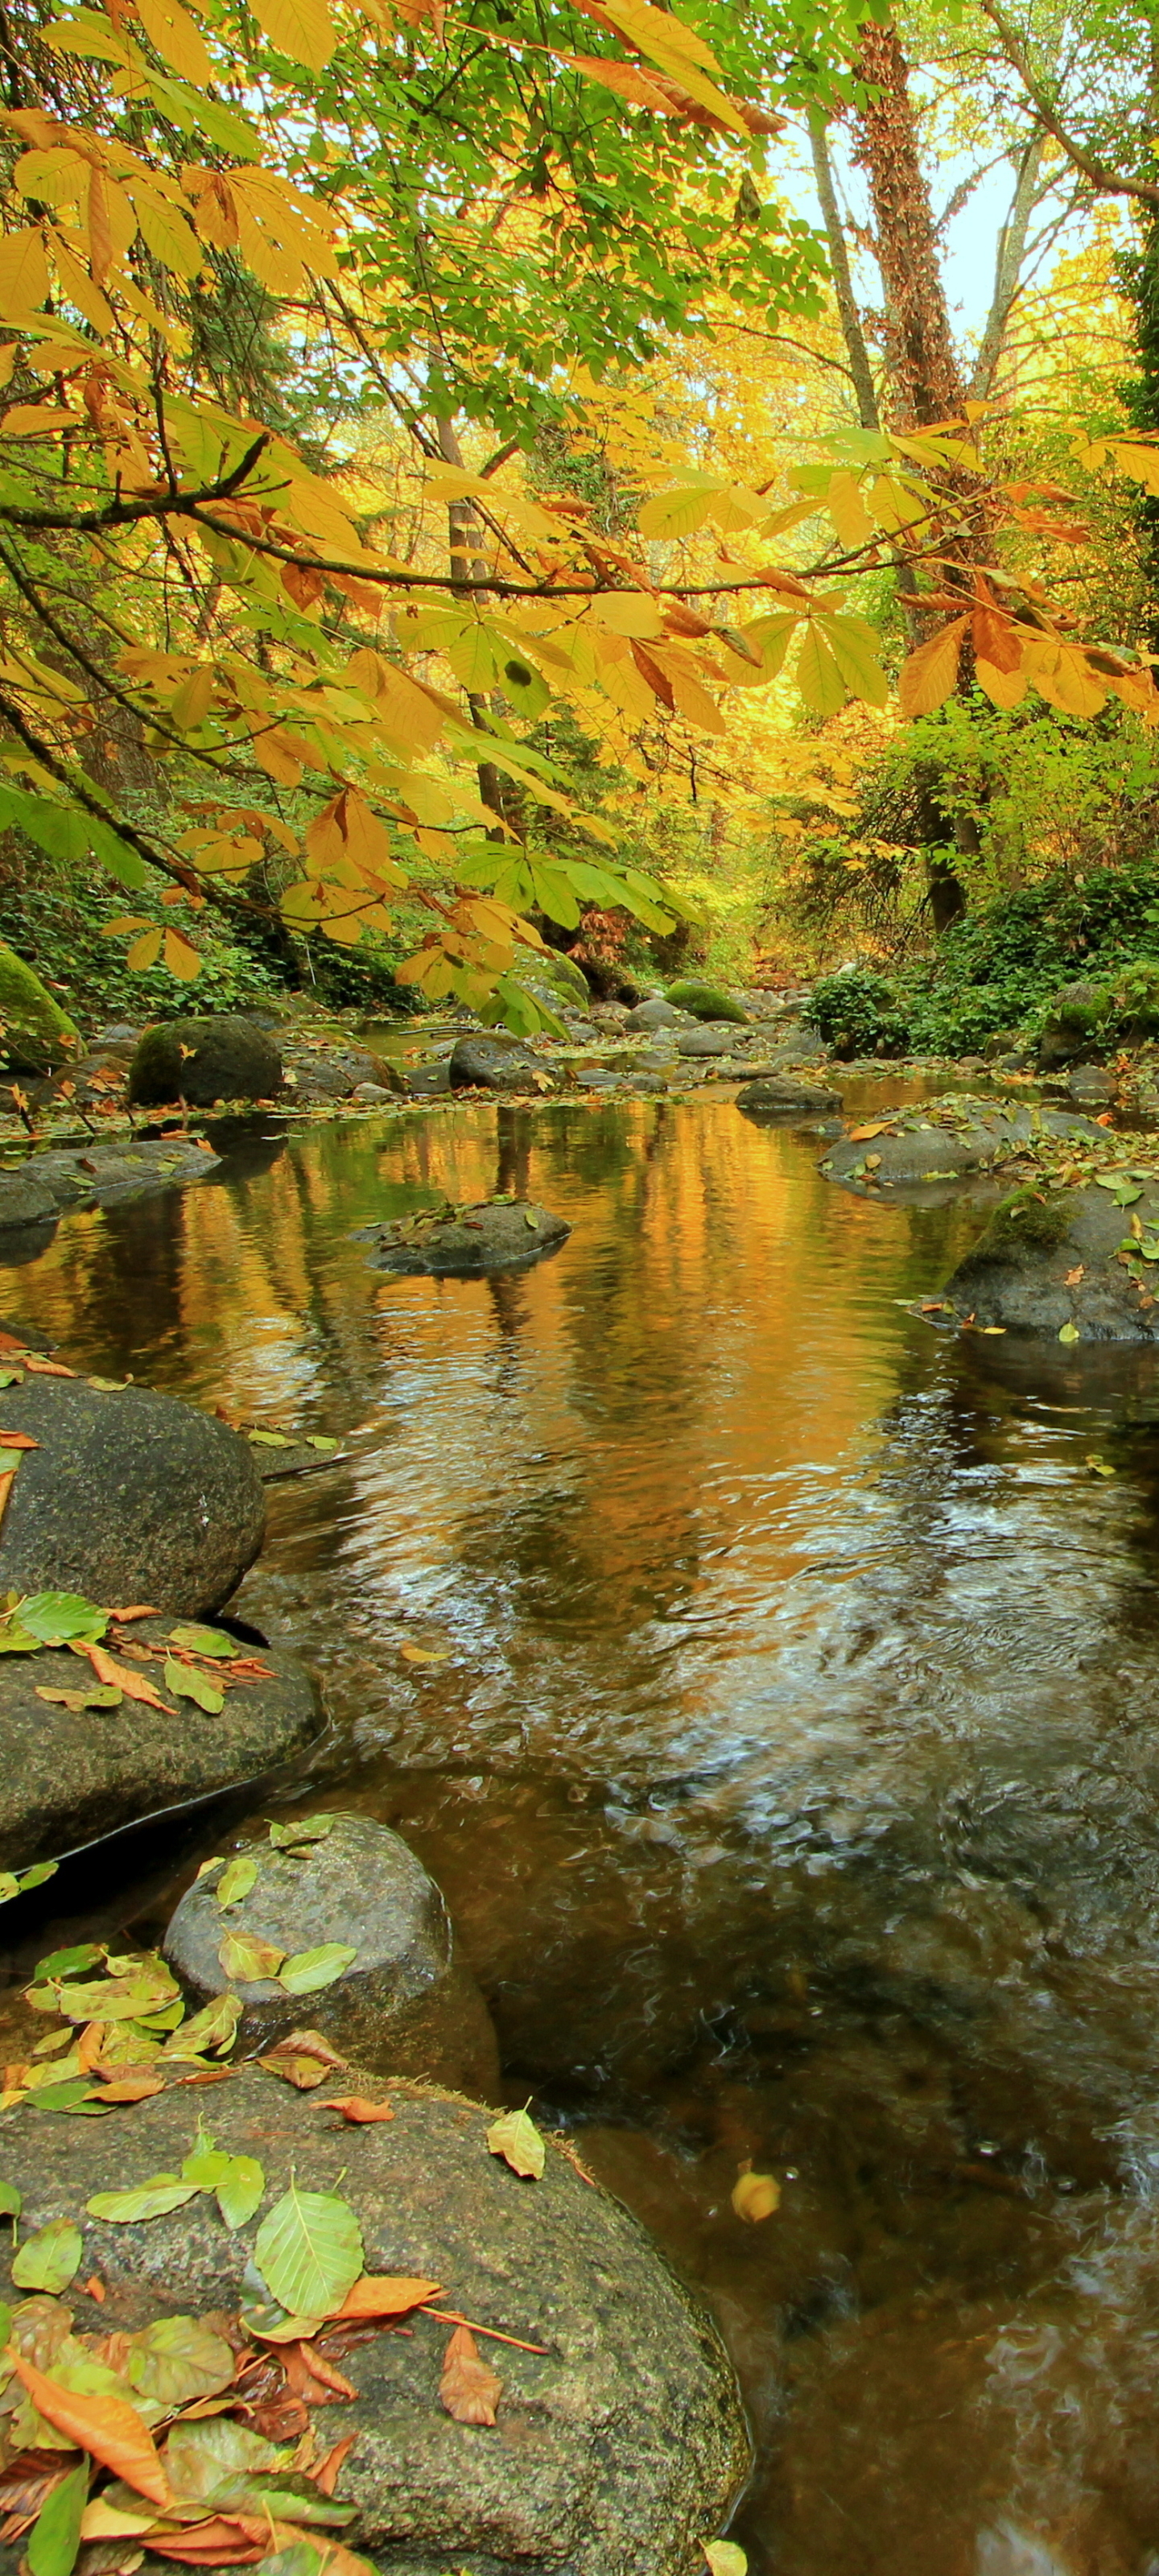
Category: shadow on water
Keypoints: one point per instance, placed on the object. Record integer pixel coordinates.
(791, 1769)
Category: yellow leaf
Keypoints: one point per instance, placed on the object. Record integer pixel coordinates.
(170, 28)
(930, 675)
(1063, 676)
(58, 176)
(166, 233)
(144, 952)
(756, 2196)
(1003, 688)
(180, 958)
(303, 29)
(818, 677)
(193, 699)
(35, 420)
(24, 281)
(78, 288)
(847, 509)
(675, 514)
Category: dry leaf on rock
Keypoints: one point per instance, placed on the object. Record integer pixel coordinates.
(756, 2196)
(468, 2388)
(107, 2427)
(516, 2138)
(386, 2294)
(356, 2107)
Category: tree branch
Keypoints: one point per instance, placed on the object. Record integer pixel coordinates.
(1112, 183)
(859, 366)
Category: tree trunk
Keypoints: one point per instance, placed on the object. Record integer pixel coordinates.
(924, 377)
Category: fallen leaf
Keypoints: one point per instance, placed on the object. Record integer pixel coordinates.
(756, 2196)
(107, 2427)
(1069, 1333)
(94, 2288)
(301, 1829)
(200, 1641)
(302, 2058)
(423, 1654)
(54, 2540)
(244, 1956)
(308, 2370)
(725, 2558)
(152, 2199)
(1074, 1277)
(17, 1440)
(468, 2388)
(309, 1970)
(50, 2259)
(356, 2107)
(236, 1881)
(327, 2472)
(516, 2138)
(187, 1681)
(383, 2294)
(308, 2251)
(99, 1695)
(132, 1684)
(876, 1127)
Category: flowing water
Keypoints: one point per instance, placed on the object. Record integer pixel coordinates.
(791, 1767)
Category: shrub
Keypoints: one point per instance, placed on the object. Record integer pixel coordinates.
(859, 1013)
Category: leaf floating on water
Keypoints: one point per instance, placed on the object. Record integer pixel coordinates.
(54, 2540)
(1100, 1466)
(516, 2138)
(107, 2427)
(725, 2558)
(236, 1881)
(50, 2259)
(245, 1956)
(756, 2196)
(468, 2388)
(309, 2251)
(309, 1970)
(301, 1829)
(423, 1654)
(357, 2108)
(186, 1681)
(152, 2199)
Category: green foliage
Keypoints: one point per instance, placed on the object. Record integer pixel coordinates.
(37, 1030)
(57, 916)
(859, 1013)
(998, 969)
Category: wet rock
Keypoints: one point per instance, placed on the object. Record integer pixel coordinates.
(95, 1175)
(945, 1140)
(405, 2006)
(1091, 1086)
(1043, 1267)
(775, 1097)
(36, 1030)
(427, 1081)
(1071, 1030)
(497, 1234)
(336, 1074)
(706, 1041)
(705, 1001)
(490, 1062)
(618, 2447)
(796, 1044)
(657, 1014)
(373, 1094)
(24, 1200)
(130, 1496)
(69, 1776)
(227, 1059)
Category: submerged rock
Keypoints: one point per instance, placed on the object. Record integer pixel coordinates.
(69, 1776)
(1053, 1265)
(943, 1140)
(205, 1060)
(129, 1496)
(775, 1097)
(619, 2445)
(404, 2006)
(497, 1234)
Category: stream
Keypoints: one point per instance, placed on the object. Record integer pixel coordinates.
(788, 1756)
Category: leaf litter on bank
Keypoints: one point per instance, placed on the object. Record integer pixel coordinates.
(49, 2259)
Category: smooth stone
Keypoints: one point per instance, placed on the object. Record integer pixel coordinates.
(372, 1092)
(488, 1062)
(130, 1496)
(970, 1136)
(427, 1081)
(95, 1175)
(1016, 1275)
(619, 2447)
(24, 1200)
(227, 1059)
(1091, 1086)
(713, 1038)
(68, 1777)
(772, 1097)
(405, 2006)
(657, 1014)
(497, 1234)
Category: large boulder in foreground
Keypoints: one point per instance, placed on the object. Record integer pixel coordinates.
(403, 2006)
(617, 2448)
(1052, 1265)
(462, 1243)
(942, 1141)
(205, 1060)
(129, 1496)
(70, 1775)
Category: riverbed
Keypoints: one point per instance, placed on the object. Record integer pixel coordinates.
(770, 1681)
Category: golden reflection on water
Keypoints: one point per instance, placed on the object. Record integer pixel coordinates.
(790, 1771)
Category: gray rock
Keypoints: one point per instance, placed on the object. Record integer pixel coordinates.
(130, 1496)
(337, 1073)
(945, 1140)
(1071, 1029)
(374, 1093)
(404, 2007)
(1017, 1275)
(68, 1777)
(658, 1014)
(24, 1200)
(774, 1098)
(95, 1175)
(619, 2447)
(797, 1044)
(713, 1038)
(497, 1234)
(227, 1059)
(427, 1081)
(491, 1062)
(1090, 1085)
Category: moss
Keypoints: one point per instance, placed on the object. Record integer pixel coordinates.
(1026, 1222)
(37, 1031)
(705, 1001)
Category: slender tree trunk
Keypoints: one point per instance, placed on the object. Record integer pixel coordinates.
(924, 376)
(852, 333)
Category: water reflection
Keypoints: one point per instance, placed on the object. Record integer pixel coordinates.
(791, 1771)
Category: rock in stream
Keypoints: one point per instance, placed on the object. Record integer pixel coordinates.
(460, 1243)
(1051, 1265)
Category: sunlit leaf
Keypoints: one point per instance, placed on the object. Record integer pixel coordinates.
(109, 2429)
(54, 2540)
(516, 2138)
(756, 2196)
(308, 2251)
(153, 2199)
(309, 1970)
(186, 1681)
(468, 2388)
(246, 1957)
(50, 2259)
(301, 1829)
(236, 1880)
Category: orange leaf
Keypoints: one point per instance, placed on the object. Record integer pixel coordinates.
(385, 2294)
(109, 2429)
(45, 1368)
(6, 1483)
(929, 676)
(1073, 1277)
(468, 2389)
(17, 1440)
(134, 1686)
(219, 2542)
(137, 1610)
(356, 2107)
(94, 2288)
(308, 2370)
(878, 1127)
(128, 2088)
(327, 2472)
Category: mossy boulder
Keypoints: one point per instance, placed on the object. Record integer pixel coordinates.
(204, 1060)
(37, 1034)
(1063, 1264)
(705, 1001)
(1075, 1022)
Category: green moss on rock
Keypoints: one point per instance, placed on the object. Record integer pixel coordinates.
(1026, 1222)
(705, 1001)
(36, 1030)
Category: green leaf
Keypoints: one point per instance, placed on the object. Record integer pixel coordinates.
(302, 1829)
(187, 1682)
(37, 1875)
(309, 2251)
(214, 2027)
(153, 2199)
(240, 2190)
(201, 2457)
(50, 2259)
(56, 1618)
(244, 1956)
(314, 1440)
(1069, 1333)
(71, 2095)
(204, 1641)
(309, 1970)
(11, 2200)
(516, 2138)
(270, 1440)
(236, 1881)
(177, 2359)
(54, 2540)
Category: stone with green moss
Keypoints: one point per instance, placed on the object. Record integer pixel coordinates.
(37, 1034)
(705, 1001)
